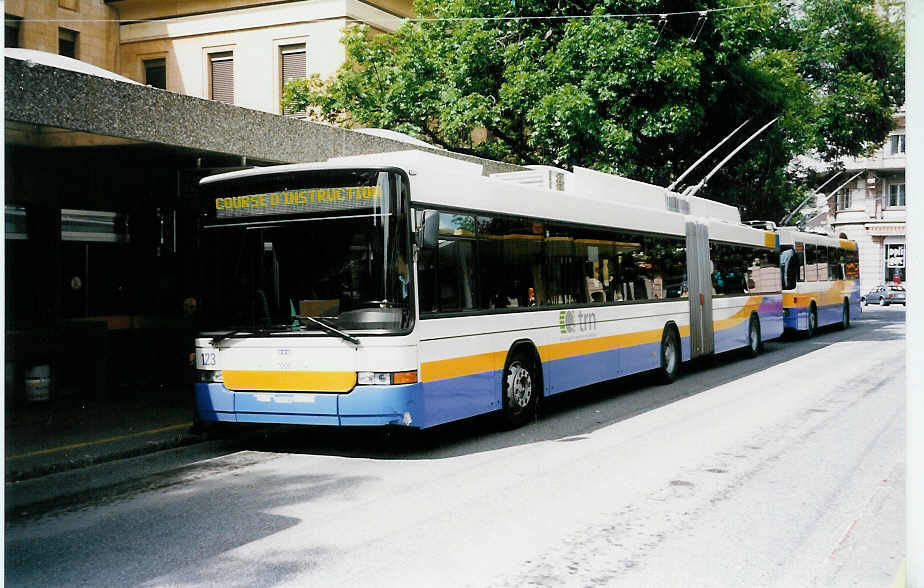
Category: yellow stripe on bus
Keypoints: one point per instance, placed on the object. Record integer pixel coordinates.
(743, 314)
(832, 295)
(431, 371)
(289, 381)
(568, 349)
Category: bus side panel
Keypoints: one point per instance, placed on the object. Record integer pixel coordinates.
(460, 397)
(383, 405)
(214, 402)
(733, 318)
(829, 300)
(770, 314)
(582, 370)
(730, 321)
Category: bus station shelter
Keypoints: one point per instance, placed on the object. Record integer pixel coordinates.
(101, 260)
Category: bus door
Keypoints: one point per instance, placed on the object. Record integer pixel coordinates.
(699, 288)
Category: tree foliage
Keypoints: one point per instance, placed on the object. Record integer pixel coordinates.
(566, 83)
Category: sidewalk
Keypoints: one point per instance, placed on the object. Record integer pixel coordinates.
(50, 437)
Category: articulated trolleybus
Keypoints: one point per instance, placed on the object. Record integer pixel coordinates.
(821, 281)
(410, 289)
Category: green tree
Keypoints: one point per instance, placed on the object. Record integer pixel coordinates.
(564, 82)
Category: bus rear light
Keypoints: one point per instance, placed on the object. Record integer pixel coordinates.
(386, 378)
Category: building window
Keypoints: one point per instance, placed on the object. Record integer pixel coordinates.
(293, 66)
(221, 76)
(11, 31)
(898, 144)
(16, 225)
(155, 73)
(896, 195)
(844, 199)
(67, 43)
(94, 226)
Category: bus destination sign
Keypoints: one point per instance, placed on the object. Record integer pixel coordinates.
(309, 200)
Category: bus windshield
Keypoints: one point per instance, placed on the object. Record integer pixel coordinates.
(312, 252)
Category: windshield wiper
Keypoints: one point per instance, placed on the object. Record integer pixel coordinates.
(229, 334)
(330, 329)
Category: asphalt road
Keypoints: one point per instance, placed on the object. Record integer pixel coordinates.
(785, 470)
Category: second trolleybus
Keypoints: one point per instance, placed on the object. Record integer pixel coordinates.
(821, 281)
(410, 289)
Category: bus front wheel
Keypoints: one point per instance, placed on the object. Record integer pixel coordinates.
(520, 389)
(670, 357)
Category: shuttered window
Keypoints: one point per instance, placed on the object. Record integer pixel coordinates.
(222, 76)
(67, 43)
(294, 59)
(155, 73)
(11, 36)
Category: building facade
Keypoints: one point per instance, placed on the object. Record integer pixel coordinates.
(101, 170)
(233, 51)
(870, 209)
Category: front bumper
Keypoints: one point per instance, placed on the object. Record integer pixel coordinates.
(363, 406)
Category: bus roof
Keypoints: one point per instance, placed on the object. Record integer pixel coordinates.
(789, 235)
(583, 196)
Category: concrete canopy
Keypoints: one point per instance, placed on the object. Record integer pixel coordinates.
(45, 104)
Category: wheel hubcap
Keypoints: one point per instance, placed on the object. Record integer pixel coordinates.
(753, 336)
(670, 356)
(519, 386)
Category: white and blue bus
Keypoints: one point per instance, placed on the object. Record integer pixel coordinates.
(821, 281)
(411, 289)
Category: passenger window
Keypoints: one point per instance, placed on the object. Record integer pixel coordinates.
(456, 290)
(836, 263)
(509, 269)
(811, 263)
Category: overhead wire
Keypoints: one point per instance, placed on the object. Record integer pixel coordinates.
(426, 19)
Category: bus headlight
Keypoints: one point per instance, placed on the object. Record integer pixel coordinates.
(386, 378)
(209, 376)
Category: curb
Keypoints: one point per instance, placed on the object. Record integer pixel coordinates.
(71, 460)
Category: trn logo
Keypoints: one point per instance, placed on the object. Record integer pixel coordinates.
(574, 321)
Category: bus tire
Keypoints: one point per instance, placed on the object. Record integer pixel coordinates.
(845, 317)
(520, 388)
(670, 356)
(812, 321)
(754, 344)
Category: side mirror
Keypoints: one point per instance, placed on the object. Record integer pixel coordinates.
(428, 232)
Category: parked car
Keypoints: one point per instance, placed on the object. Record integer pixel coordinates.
(884, 295)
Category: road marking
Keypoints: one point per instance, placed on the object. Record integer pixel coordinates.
(98, 441)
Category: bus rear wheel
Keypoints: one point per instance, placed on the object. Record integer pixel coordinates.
(670, 357)
(845, 317)
(812, 322)
(520, 389)
(753, 348)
